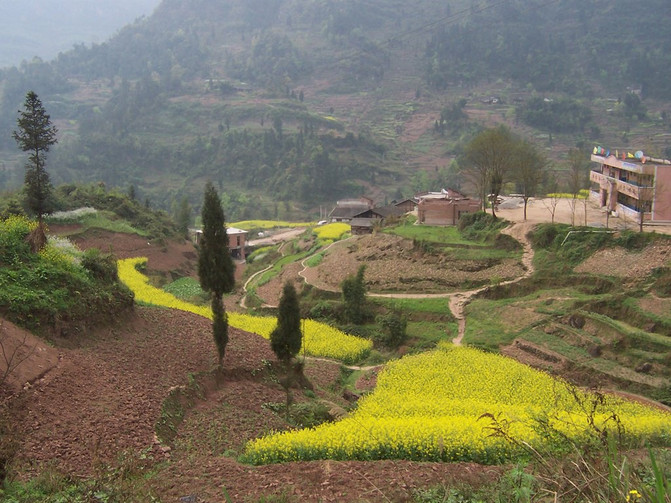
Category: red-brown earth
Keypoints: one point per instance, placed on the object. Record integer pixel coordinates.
(103, 392)
(84, 401)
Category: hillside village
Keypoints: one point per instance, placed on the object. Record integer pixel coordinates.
(261, 251)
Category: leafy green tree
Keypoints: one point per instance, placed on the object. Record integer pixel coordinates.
(489, 161)
(131, 192)
(634, 107)
(395, 325)
(36, 134)
(529, 170)
(183, 216)
(354, 296)
(215, 266)
(286, 338)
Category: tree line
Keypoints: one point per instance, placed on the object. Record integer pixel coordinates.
(557, 47)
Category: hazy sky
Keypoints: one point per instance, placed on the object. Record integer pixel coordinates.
(44, 28)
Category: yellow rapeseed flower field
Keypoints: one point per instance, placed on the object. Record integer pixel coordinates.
(319, 339)
(332, 231)
(431, 406)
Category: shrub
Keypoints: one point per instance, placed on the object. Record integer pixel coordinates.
(38, 290)
(101, 266)
(323, 310)
(480, 226)
(394, 325)
(13, 245)
(544, 235)
(631, 240)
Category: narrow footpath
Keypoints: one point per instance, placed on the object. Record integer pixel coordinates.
(459, 300)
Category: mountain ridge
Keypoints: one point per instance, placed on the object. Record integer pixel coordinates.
(308, 101)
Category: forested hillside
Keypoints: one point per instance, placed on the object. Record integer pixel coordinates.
(306, 101)
(43, 28)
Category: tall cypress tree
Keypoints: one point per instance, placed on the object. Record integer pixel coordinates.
(35, 135)
(215, 266)
(354, 296)
(286, 338)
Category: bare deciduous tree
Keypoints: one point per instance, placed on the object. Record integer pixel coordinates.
(14, 352)
(578, 168)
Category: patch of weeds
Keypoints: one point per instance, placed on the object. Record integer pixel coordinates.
(301, 415)
(174, 408)
(315, 260)
(118, 483)
(187, 289)
(515, 486)
(662, 284)
(344, 379)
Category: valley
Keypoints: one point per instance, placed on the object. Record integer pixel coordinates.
(99, 408)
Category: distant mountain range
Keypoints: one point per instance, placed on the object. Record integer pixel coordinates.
(291, 104)
(43, 28)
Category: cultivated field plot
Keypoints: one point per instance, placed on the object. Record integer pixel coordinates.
(448, 405)
(319, 339)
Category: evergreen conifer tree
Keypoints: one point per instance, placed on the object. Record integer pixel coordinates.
(215, 266)
(286, 338)
(354, 296)
(35, 135)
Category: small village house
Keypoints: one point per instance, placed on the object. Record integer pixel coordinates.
(346, 209)
(407, 205)
(445, 207)
(366, 221)
(237, 241)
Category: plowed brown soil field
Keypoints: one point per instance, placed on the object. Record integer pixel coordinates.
(102, 395)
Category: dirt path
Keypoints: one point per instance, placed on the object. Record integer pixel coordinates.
(243, 299)
(282, 236)
(310, 279)
(457, 300)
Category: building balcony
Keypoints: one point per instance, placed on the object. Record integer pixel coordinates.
(629, 189)
(626, 165)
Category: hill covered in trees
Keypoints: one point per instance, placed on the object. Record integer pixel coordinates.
(287, 105)
(43, 28)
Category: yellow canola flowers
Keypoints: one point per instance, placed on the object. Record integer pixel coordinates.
(430, 407)
(332, 231)
(319, 339)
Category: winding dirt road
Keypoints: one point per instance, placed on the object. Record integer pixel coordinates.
(458, 300)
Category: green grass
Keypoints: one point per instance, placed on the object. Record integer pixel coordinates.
(107, 221)
(186, 289)
(277, 267)
(38, 289)
(430, 305)
(315, 260)
(426, 334)
(431, 234)
(557, 345)
(484, 326)
(429, 320)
